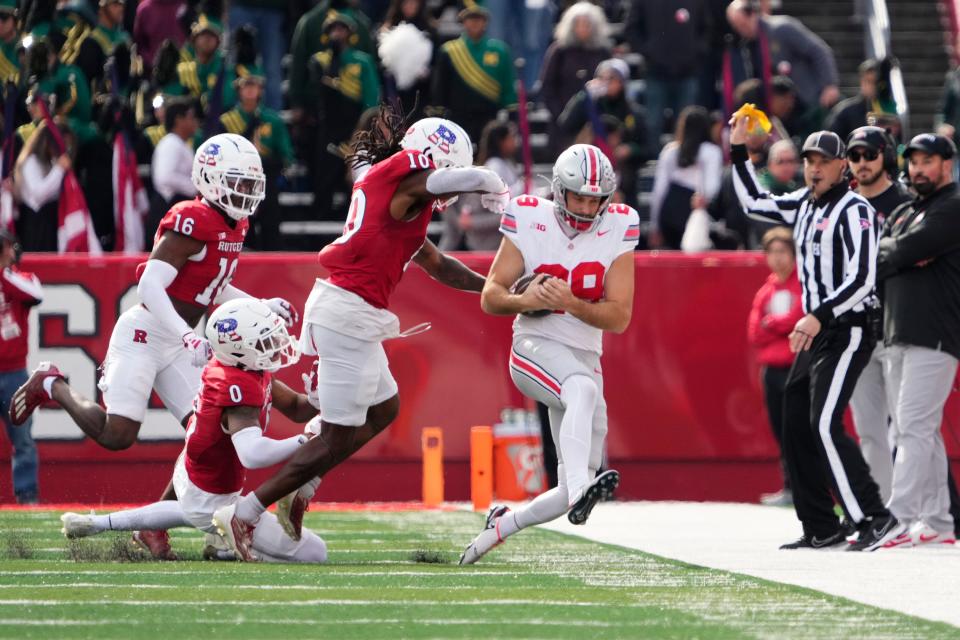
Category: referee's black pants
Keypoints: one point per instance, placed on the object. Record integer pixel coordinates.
(822, 460)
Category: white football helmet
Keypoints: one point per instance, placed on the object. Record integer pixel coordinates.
(582, 169)
(245, 333)
(228, 172)
(443, 141)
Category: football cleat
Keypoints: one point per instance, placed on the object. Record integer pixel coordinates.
(877, 532)
(31, 395)
(156, 542)
(236, 533)
(77, 525)
(290, 510)
(816, 542)
(488, 538)
(922, 534)
(215, 548)
(601, 488)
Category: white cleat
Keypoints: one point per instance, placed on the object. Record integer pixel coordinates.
(923, 535)
(235, 532)
(77, 525)
(488, 538)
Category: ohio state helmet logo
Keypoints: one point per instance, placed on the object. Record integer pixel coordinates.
(443, 138)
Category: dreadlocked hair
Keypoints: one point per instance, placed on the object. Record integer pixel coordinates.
(381, 138)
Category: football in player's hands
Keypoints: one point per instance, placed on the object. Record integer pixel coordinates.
(522, 284)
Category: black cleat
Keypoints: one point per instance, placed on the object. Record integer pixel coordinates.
(816, 542)
(601, 488)
(877, 532)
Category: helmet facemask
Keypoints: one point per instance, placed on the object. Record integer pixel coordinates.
(277, 349)
(241, 193)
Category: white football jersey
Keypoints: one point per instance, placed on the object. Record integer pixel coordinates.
(583, 260)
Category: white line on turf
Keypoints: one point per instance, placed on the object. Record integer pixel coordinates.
(744, 538)
(33, 602)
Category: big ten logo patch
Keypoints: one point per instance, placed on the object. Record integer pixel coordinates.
(443, 138)
(527, 461)
(140, 336)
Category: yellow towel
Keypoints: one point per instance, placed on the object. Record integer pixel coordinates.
(756, 119)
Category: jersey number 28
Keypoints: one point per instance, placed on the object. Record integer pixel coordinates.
(586, 279)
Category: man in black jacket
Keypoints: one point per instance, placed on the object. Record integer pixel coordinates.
(919, 266)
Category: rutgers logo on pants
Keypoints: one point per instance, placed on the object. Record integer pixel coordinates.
(139, 335)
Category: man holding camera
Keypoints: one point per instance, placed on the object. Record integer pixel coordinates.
(919, 268)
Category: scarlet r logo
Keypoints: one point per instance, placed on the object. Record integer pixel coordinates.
(139, 335)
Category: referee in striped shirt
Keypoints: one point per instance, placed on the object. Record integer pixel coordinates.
(835, 232)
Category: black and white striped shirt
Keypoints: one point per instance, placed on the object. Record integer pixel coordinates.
(836, 239)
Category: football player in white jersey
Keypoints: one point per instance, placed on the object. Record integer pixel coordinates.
(586, 245)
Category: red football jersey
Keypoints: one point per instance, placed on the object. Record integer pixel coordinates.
(370, 256)
(211, 461)
(19, 291)
(205, 275)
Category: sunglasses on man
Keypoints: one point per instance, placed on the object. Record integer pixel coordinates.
(867, 154)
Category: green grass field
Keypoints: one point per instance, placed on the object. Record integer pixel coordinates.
(538, 585)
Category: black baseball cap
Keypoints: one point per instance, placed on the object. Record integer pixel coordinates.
(933, 144)
(872, 137)
(824, 142)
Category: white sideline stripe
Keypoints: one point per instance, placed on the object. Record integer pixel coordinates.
(220, 587)
(341, 573)
(33, 602)
(324, 621)
(916, 582)
(826, 417)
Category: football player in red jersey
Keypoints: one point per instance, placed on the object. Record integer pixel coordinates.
(413, 171)
(154, 345)
(225, 436)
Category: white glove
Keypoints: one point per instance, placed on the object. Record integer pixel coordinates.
(198, 348)
(496, 202)
(283, 309)
(310, 386)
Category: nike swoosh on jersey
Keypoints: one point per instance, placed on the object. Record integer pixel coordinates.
(603, 233)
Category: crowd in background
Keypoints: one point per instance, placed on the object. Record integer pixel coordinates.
(86, 79)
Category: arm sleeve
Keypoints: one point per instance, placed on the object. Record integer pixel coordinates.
(756, 202)
(229, 293)
(859, 241)
(22, 286)
(933, 236)
(36, 188)
(257, 451)
(152, 290)
(464, 180)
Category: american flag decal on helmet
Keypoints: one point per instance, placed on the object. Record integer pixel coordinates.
(443, 138)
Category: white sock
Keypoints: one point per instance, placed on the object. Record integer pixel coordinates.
(579, 395)
(48, 385)
(165, 514)
(548, 506)
(249, 508)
